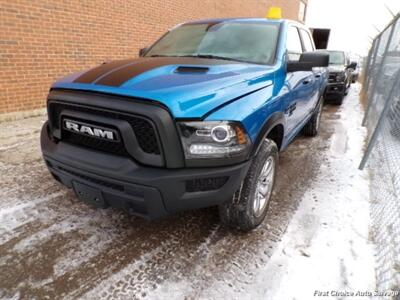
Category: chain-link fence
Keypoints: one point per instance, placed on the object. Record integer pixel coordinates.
(381, 85)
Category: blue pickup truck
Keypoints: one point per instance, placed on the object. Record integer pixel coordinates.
(197, 120)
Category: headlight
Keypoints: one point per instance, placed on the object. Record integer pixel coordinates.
(213, 139)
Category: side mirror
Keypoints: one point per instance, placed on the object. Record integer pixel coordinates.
(143, 51)
(307, 61)
(352, 65)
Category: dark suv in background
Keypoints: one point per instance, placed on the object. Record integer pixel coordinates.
(340, 75)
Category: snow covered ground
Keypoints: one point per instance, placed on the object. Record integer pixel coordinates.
(315, 237)
(326, 249)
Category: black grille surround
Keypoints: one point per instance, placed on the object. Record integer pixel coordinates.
(144, 131)
(332, 77)
(156, 141)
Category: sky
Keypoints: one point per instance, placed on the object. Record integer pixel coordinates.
(352, 22)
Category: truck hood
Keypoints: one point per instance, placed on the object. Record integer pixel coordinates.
(336, 68)
(189, 87)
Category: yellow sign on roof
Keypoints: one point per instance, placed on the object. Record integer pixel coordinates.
(274, 13)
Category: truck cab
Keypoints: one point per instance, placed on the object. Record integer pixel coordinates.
(197, 120)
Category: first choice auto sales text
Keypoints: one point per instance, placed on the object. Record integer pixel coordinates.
(334, 293)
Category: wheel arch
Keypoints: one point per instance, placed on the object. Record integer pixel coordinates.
(274, 129)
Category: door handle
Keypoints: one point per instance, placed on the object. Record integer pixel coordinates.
(307, 81)
(317, 75)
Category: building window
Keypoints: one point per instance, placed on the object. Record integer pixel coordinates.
(302, 11)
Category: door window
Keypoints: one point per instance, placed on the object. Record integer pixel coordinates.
(307, 41)
(293, 44)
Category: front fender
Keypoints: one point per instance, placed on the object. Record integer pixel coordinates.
(254, 111)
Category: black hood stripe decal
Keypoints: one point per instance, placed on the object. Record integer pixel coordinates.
(93, 74)
(117, 73)
(124, 74)
(115, 70)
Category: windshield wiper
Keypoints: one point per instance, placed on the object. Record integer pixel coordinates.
(211, 56)
(208, 56)
(159, 55)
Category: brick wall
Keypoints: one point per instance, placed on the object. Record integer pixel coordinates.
(41, 41)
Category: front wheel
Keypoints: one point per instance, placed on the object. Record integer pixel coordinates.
(250, 203)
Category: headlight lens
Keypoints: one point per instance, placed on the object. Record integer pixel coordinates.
(213, 139)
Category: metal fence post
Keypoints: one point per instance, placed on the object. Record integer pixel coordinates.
(375, 46)
(382, 157)
(379, 125)
(370, 102)
(371, 55)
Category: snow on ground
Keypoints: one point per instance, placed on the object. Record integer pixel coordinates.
(315, 236)
(327, 246)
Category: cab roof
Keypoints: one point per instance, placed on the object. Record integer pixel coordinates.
(249, 20)
(222, 20)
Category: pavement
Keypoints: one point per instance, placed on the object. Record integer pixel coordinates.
(315, 236)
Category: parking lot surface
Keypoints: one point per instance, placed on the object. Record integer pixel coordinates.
(53, 246)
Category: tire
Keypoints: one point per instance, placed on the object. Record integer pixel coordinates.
(338, 100)
(312, 126)
(242, 212)
(346, 88)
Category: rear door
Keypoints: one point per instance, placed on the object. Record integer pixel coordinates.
(300, 84)
(316, 78)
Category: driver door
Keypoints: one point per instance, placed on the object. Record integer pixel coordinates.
(300, 83)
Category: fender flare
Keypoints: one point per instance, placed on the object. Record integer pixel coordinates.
(277, 118)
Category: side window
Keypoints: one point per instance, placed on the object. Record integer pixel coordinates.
(293, 44)
(307, 41)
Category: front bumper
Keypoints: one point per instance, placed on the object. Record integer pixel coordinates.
(147, 191)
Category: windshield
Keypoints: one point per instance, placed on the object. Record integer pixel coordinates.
(336, 58)
(241, 41)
